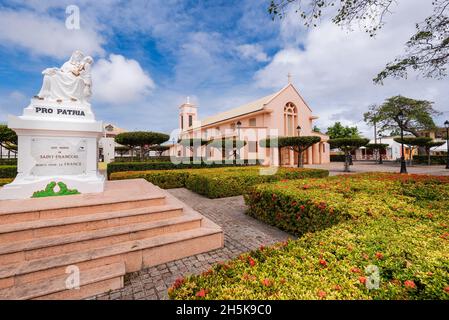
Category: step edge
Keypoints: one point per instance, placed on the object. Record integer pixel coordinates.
(93, 234)
(54, 222)
(18, 270)
(106, 272)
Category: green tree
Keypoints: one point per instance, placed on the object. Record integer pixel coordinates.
(142, 139)
(413, 143)
(121, 150)
(193, 144)
(426, 51)
(347, 145)
(225, 144)
(159, 149)
(339, 131)
(297, 144)
(8, 138)
(417, 115)
(428, 147)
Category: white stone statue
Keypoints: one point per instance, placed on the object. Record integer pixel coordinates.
(71, 82)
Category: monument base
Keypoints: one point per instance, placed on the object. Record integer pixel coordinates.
(57, 149)
(25, 187)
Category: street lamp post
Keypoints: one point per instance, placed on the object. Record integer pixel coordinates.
(238, 139)
(446, 124)
(403, 165)
(380, 150)
(298, 128)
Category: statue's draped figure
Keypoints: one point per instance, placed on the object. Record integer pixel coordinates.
(70, 82)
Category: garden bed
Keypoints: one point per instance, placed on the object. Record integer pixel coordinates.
(218, 182)
(349, 227)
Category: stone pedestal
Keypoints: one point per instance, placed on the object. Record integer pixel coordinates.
(57, 142)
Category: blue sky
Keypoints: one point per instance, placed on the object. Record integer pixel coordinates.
(149, 55)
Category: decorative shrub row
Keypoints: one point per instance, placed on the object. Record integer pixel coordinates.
(433, 159)
(373, 226)
(4, 181)
(150, 159)
(337, 158)
(166, 165)
(8, 162)
(217, 182)
(8, 171)
(230, 182)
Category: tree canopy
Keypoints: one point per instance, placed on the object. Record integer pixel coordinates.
(426, 51)
(347, 145)
(418, 115)
(142, 139)
(8, 138)
(298, 144)
(414, 141)
(339, 131)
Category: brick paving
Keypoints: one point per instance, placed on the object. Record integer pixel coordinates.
(241, 234)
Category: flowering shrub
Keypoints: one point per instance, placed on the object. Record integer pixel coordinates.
(217, 182)
(368, 227)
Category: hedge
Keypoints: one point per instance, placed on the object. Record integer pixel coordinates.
(217, 182)
(220, 183)
(8, 171)
(8, 162)
(337, 158)
(4, 181)
(165, 165)
(395, 224)
(166, 179)
(440, 160)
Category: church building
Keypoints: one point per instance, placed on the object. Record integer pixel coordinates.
(283, 113)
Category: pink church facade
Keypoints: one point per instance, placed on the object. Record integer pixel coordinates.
(278, 114)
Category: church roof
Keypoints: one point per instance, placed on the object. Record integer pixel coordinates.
(250, 107)
(253, 106)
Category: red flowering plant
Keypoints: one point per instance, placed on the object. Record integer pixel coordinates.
(378, 232)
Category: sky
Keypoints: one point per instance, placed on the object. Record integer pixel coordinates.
(151, 54)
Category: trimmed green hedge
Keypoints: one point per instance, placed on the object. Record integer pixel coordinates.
(165, 165)
(166, 179)
(8, 171)
(8, 162)
(217, 182)
(221, 183)
(353, 229)
(337, 157)
(440, 160)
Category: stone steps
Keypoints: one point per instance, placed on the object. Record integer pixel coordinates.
(92, 281)
(40, 247)
(68, 225)
(103, 238)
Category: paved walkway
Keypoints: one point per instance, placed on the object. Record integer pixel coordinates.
(336, 168)
(242, 233)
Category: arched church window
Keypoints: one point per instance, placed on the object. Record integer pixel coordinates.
(290, 119)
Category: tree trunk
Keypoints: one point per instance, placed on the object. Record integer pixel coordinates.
(346, 162)
(429, 162)
(300, 160)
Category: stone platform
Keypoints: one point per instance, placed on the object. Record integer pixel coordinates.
(131, 225)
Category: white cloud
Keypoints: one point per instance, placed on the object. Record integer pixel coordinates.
(44, 35)
(334, 68)
(12, 103)
(252, 51)
(120, 80)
